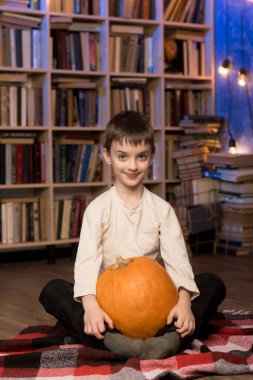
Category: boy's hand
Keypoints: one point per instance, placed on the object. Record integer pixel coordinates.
(94, 317)
(182, 313)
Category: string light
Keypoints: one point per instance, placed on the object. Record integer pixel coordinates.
(242, 77)
(225, 67)
(232, 145)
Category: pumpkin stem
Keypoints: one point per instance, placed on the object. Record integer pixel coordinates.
(121, 262)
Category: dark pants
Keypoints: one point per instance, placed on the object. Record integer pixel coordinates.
(57, 299)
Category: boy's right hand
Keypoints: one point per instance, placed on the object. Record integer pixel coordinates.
(94, 317)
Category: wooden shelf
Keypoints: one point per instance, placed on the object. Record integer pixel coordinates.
(187, 26)
(157, 83)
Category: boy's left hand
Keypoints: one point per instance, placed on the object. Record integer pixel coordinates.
(182, 314)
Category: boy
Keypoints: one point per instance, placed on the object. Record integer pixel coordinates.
(129, 220)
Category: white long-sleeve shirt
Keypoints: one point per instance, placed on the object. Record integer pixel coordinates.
(111, 228)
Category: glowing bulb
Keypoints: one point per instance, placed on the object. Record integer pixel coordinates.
(232, 145)
(223, 71)
(225, 67)
(232, 149)
(242, 78)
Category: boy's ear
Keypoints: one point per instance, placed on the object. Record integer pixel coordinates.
(106, 156)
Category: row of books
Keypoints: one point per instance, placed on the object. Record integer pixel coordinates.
(235, 174)
(85, 7)
(181, 102)
(191, 11)
(136, 98)
(73, 50)
(20, 220)
(17, 3)
(21, 105)
(76, 161)
(20, 47)
(68, 215)
(32, 4)
(75, 107)
(23, 160)
(144, 9)
(130, 50)
(189, 59)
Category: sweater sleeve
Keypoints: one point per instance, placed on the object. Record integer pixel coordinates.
(174, 253)
(89, 253)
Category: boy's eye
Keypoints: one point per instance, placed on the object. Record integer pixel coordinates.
(143, 157)
(121, 156)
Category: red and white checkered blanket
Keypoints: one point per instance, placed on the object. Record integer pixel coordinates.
(46, 352)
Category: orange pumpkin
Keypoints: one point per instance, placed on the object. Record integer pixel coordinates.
(137, 294)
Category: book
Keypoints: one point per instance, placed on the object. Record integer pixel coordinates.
(194, 158)
(76, 26)
(204, 118)
(16, 140)
(237, 188)
(237, 236)
(66, 214)
(240, 229)
(189, 152)
(168, 9)
(202, 129)
(129, 29)
(186, 35)
(235, 175)
(232, 250)
(227, 158)
(205, 191)
(230, 198)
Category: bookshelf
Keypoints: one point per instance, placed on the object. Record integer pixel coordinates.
(77, 69)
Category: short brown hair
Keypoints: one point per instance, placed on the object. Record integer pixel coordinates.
(131, 126)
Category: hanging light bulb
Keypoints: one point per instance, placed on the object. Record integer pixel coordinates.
(225, 67)
(242, 77)
(232, 145)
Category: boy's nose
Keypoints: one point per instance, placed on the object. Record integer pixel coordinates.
(132, 165)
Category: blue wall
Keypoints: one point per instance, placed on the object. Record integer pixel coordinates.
(238, 43)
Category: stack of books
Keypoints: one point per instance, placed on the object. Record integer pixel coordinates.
(201, 137)
(205, 125)
(235, 172)
(190, 161)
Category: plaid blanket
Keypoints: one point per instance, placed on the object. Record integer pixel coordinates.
(51, 352)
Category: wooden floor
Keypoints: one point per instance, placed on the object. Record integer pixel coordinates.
(20, 285)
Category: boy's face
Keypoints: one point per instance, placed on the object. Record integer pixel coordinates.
(130, 163)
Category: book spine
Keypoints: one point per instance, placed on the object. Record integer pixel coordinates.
(213, 175)
(36, 48)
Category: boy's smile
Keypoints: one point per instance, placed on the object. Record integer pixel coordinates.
(129, 162)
